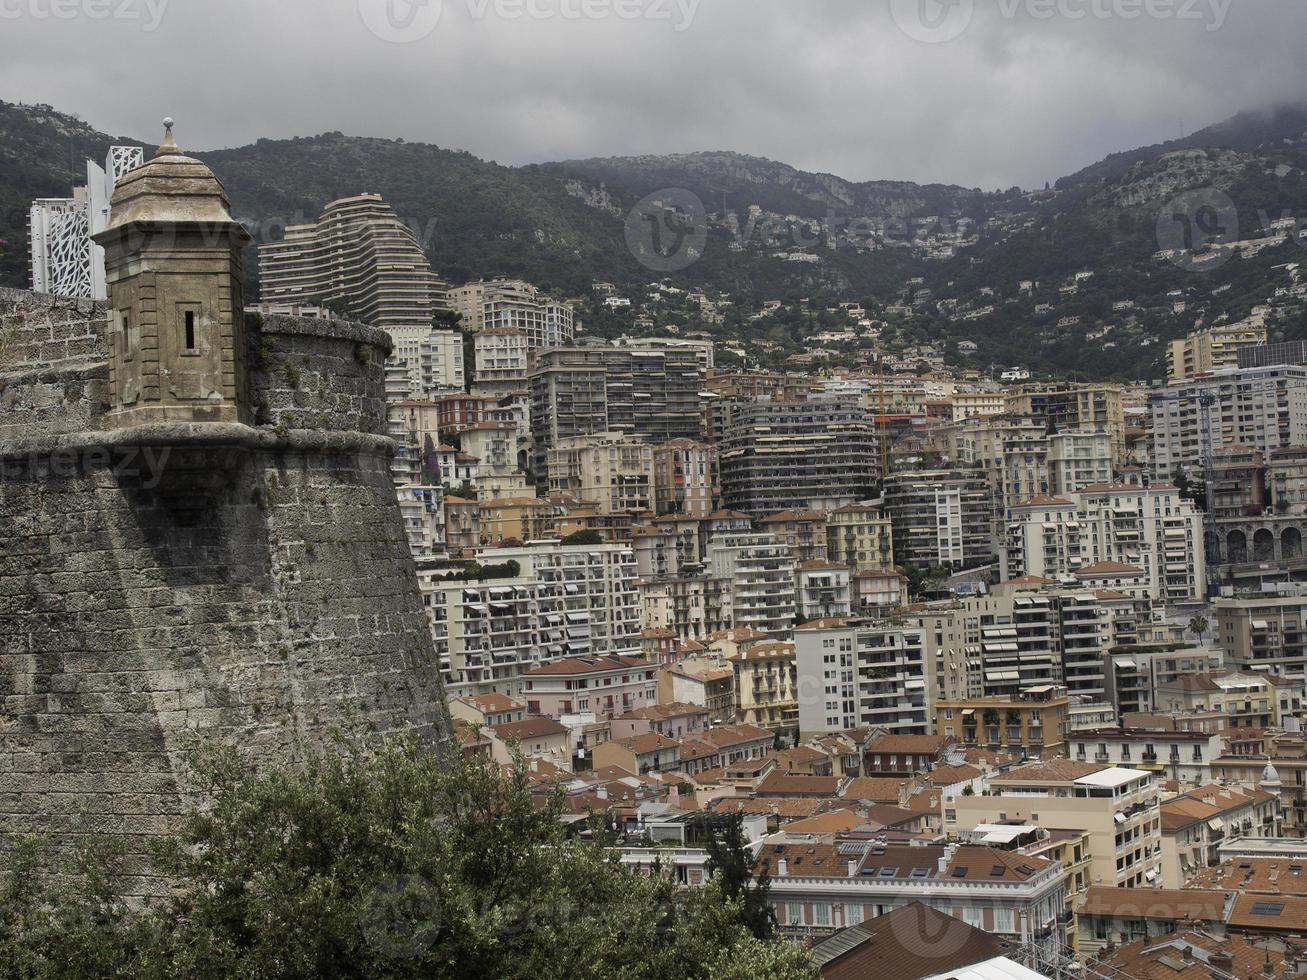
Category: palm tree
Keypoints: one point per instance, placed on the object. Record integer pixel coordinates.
(1199, 627)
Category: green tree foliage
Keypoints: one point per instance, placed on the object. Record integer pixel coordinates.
(375, 863)
(584, 537)
(730, 862)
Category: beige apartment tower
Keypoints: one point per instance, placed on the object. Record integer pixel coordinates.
(360, 259)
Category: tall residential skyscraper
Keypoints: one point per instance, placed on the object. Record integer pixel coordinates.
(796, 455)
(64, 261)
(358, 257)
(579, 391)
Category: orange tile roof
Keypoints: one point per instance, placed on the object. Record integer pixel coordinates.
(778, 783)
(1248, 913)
(1252, 874)
(1109, 568)
(1050, 770)
(1182, 955)
(834, 822)
(1154, 903)
(875, 789)
(529, 728)
(910, 744)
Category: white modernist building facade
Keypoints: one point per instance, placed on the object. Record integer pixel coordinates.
(64, 260)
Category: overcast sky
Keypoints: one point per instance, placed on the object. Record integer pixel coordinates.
(983, 93)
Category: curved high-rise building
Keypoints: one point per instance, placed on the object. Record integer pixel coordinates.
(360, 259)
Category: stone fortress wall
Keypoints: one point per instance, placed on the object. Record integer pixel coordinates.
(249, 581)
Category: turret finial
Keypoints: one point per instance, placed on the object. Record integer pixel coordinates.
(169, 144)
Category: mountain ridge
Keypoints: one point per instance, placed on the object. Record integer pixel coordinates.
(775, 231)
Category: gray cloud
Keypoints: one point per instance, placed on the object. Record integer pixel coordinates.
(834, 85)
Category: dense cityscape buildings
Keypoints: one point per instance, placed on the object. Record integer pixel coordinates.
(723, 581)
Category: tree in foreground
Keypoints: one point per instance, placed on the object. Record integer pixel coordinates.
(385, 862)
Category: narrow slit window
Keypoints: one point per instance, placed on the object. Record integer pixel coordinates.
(190, 329)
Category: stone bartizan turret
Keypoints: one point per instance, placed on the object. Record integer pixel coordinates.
(173, 268)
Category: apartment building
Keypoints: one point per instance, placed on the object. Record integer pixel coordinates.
(859, 673)
(518, 519)
(1214, 349)
(879, 591)
(492, 447)
(860, 536)
(1117, 807)
(1281, 770)
(1151, 529)
(702, 605)
(1266, 355)
(824, 590)
(1011, 452)
(823, 885)
(423, 511)
(939, 517)
(1195, 824)
(1078, 459)
(800, 455)
(578, 391)
(599, 579)
(500, 361)
(1032, 724)
(605, 686)
(704, 682)
(1286, 476)
(977, 404)
(462, 525)
(802, 531)
(993, 646)
(1184, 756)
(1242, 699)
(510, 304)
(1263, 409)
(762, 573)
(1134, 675)
(360, 257)
(686, 479)
(612, 470)
(432, 360)
(1266, 632)
(1061, 407)
(766, 686)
